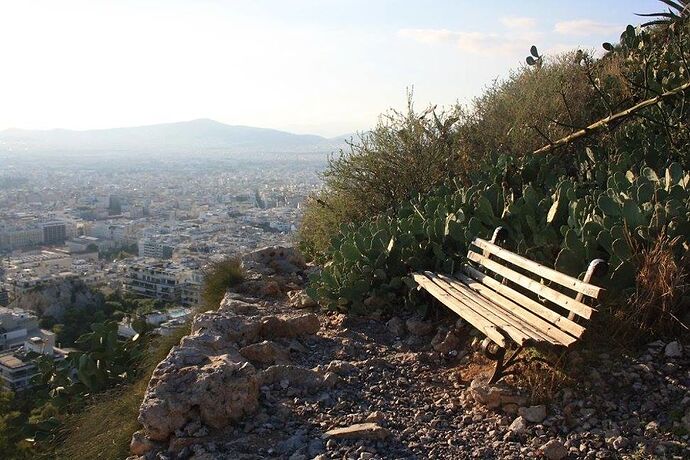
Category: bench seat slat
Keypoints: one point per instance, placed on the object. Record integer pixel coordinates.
(517, 330)
(571, 327)
(540, 289)
(478, 321)
(538, 269)
(505, 314)
(543, 326)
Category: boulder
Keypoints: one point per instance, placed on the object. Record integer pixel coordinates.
(358, 431)
(190, 386)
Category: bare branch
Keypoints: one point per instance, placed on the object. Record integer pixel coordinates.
(620, 116)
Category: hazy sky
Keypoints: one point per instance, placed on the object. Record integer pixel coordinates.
(309, 66)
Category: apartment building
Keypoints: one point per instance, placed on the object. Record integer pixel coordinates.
(15, 326)
(165, 281)
(151, 248)
(18, 367)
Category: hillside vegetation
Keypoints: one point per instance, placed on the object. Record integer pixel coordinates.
(411, 194)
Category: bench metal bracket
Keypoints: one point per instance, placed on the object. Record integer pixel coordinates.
(503, 363)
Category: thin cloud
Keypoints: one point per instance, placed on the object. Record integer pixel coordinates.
(471, 42)
(515, 22)
(584, 27)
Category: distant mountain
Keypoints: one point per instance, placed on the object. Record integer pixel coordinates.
(196, 136)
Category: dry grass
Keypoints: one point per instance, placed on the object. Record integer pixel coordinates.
(541, 380)
(657, 306)
(103, 430)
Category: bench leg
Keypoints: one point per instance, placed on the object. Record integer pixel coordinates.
(498, 354)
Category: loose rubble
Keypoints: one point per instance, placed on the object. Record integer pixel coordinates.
(261, 379)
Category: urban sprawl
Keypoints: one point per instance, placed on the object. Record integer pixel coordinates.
(142, 228)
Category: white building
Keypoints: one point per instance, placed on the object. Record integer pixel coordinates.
(18, 367)
(151, 248)
(165, 281)
(15, 326)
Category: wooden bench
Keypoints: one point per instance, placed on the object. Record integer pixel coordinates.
(515, 301)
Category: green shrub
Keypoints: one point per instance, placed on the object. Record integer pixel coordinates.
(405, 154)
(608, 212)
(218, 278)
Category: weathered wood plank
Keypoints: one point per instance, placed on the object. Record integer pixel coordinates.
(544, 291)
(534, 332)
(465, 311)
(562, 322)
(543, 326)
(540, 270)
(520, 333)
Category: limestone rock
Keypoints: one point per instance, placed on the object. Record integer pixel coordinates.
(419, 327)
(533, 414)
(494, 396)
(554, 450)
(445, 342)
(279, 259)
(673, 350)
(294, 376)
(396, 326)
(519, 425)
(300, 299)
(270, 289)
(375, 417)
(358, 431)
(273, 327)
(189, 386)
(231, 327)
(265, 352)
(141, 444)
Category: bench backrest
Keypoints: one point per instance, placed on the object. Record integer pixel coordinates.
(550, 294)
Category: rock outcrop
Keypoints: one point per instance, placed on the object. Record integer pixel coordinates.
(52, 299)
(213, 377)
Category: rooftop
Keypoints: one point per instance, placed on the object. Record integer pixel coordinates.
(12, 360)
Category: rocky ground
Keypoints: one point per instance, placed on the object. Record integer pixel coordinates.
(263, 379)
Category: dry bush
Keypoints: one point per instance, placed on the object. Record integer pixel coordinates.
(218, 278)
(658, 306)
(538, 104)
(542, 376)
